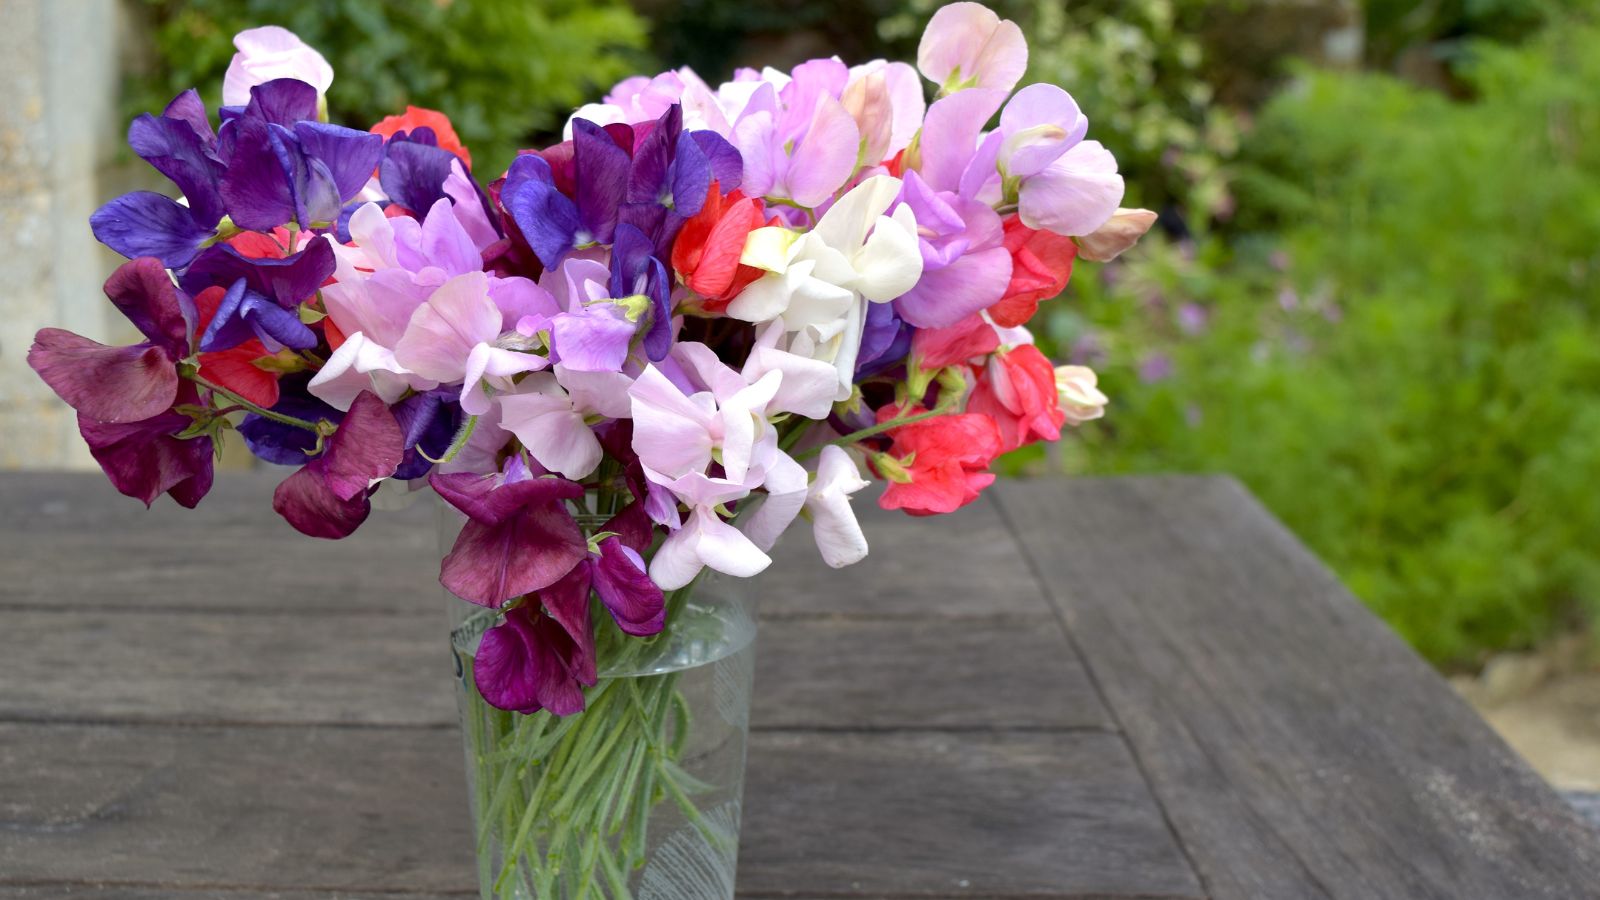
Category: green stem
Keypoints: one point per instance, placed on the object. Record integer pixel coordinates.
(875, 430)
(246, 404)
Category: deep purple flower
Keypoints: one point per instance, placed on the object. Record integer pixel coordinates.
(519, 536)
(289, 281)
(277, 175)
(414, 169)
(289, 445)
(429, 421)
(636, 271)
(535, 660)
(180, 145)
(121, 384)
(328, 497)
(885, 340)
(671, 173)
(243, 314)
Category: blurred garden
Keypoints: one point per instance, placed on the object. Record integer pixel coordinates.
(1373, 295)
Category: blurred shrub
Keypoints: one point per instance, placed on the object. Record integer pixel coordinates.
(1409, 372)
(506, 71)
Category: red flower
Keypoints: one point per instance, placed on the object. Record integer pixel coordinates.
(937, 465)
(706, 252)
(972, 337)
(1018, 391)
(416, 117)
(1041, 263)
(235, 368)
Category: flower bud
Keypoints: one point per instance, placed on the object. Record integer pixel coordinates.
(1118, 234)
(1081, 400)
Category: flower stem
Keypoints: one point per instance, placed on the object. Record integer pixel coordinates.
(242, 403)
(876, 430)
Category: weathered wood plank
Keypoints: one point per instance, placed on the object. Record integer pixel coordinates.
(1061, 815)
(964, 565)
(70, 537)
(1298, 747)
(375, 810)
(58, 891)
(70, 540)
(337, 668)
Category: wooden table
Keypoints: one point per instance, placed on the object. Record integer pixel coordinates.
(1126, 688)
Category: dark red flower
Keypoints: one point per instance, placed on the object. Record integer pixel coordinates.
(328, 497)
(519, 536)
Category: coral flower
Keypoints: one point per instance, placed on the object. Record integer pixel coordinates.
(1041, 263)
(1017, 389)
(417, 117)
(937, 465)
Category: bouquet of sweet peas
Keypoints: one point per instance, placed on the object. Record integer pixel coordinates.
(638, 353)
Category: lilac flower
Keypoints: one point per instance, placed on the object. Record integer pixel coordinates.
(799, 143)
(594, 331)
(965, 264)
(549, 414)
(455, 337)
(328, 496)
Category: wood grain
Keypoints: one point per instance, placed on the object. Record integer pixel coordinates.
(1299, 748)
(356, 668)
(870, 815)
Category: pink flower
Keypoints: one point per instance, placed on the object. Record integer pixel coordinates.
(967, 45)
(455, 337)
(1017, 389)
(269, 53)
(548, 413)
(1075, 194)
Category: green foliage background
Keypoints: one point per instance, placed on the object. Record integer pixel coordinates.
(505, 71)
(1375, 293)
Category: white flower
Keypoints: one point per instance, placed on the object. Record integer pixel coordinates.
(269, 53)
(833, 522)
(818, 283)
(1081, 400)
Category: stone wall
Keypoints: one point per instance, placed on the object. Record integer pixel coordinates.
(59, 129)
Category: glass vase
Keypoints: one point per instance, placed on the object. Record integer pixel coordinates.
(638, 795)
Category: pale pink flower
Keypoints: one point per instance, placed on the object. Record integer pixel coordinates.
(968, 45)
(267, 54)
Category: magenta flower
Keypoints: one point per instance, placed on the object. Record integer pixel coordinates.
(519, 536)
(538, 658)
(328, 497)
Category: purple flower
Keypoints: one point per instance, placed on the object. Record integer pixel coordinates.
(415, 169)
(328, 497)
(519, 536)
(244, 313)
(288, 445)
(288, 281)
(636, 272)
(121, 384)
